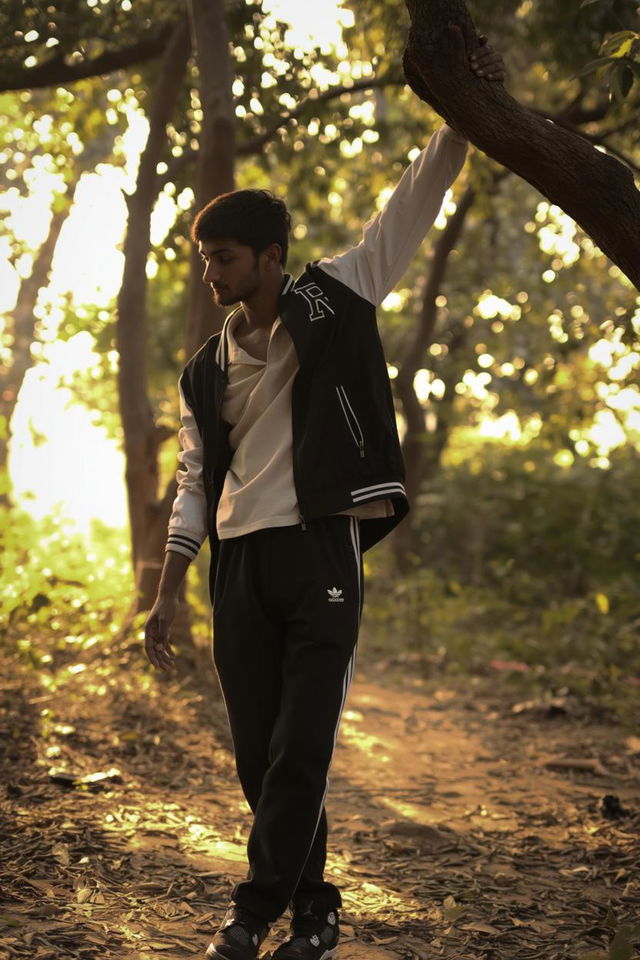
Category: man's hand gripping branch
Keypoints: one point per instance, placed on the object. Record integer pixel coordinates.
(487, 63)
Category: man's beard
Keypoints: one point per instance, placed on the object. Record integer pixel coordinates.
(227, 297)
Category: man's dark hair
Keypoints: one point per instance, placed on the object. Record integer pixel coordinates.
(255, 218)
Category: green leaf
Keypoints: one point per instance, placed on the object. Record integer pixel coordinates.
(9, 921)
(620, 46)
(621, 948)
(587, 3)
(610, 921)
(618, 39)
(594, 65)
(625, 48)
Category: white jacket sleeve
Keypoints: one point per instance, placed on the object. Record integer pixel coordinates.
(390, 240)
(188, 523)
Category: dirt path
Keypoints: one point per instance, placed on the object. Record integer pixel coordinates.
(453, 835)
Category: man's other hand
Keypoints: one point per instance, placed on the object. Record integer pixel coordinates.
(156, 633)
(487, 63)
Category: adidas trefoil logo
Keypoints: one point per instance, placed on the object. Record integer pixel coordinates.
(335, 595)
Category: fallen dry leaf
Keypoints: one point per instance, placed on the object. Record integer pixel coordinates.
(591, 766)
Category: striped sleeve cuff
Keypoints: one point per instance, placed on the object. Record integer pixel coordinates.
(178, 542)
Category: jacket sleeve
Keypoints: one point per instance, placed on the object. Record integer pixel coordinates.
(188, 525)
(390, 240)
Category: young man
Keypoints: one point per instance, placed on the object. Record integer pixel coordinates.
(292, 467)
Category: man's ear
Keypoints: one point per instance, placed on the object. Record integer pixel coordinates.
(273, 255)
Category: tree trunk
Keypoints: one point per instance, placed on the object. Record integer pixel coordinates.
(23, 322)
(415, 442)
(142, 438)
(596, 190)
(215, 171)
(215, 174)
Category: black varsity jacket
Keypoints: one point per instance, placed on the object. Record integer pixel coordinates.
(346, 450)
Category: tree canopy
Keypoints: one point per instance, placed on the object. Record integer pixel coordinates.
(511, 328)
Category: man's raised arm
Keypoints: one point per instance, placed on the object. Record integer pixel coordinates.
(391, 239)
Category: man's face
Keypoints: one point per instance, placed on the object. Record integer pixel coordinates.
(232, 270)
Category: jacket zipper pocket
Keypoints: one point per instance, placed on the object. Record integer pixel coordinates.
(350, 417)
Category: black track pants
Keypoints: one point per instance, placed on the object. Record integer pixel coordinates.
(287, 609)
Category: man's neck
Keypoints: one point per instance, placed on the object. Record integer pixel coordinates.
(261, 311)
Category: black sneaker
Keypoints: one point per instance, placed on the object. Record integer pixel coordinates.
(239, 936)
(311, 937)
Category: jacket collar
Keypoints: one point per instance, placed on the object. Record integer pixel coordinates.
(287, 287)
(222, 353)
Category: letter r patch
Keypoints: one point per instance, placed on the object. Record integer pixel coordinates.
(316, 301)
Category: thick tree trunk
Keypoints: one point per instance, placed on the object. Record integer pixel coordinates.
(596, 190)
(417, 445)
(142, 438)
(215, 172)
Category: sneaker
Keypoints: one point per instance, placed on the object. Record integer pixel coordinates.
(311, 937)
(239, 936)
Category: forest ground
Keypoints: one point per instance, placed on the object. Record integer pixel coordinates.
(466, 821)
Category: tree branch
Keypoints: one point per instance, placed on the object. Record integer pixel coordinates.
(58, 70)
(413, 358)
(414, 353)
(414, 444)
(601, 141)
(597, 140)
(593, 188)
(575, 114)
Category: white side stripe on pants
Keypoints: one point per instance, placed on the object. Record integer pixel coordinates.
(348, 675)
